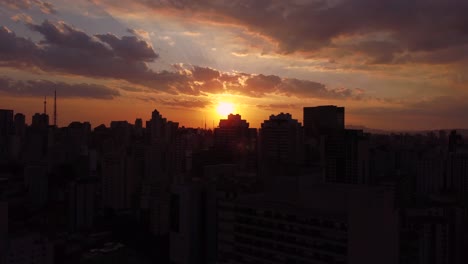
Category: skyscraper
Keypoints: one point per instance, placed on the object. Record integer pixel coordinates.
(281, 143)
(6, 129)
(40, 121)
(323, 120)
(235, 136)
(20, 124)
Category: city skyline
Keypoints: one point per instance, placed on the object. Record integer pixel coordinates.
(233, 131)
(389, 63)
(288, 192)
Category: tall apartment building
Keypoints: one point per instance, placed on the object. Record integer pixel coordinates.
(281, 143)
(323, 120)
(328, 223)
(234, 136)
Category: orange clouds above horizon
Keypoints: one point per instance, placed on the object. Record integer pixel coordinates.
(389, 69)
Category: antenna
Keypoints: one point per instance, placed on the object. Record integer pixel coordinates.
(55, 108)
(45, 105)
(205, 122)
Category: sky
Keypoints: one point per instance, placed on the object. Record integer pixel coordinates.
(393, 64)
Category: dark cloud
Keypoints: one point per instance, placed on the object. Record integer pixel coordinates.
(305, 88)
(405, 26)
(65, 36)
(66, 49)
(204, 74)
(16, 50)
(130, 47)
(44, 88)
(45, 7)
(259, 85)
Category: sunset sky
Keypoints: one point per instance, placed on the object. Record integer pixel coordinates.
(396, 64)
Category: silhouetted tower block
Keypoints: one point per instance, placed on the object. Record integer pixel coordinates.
(345, 157)
(433, 234)
(324, 223)
(6, 122)
(36, 177)
(457, 175)
(40, 121)
(357, 157)
(156, 127)
(6, 129)
(455, 140)
(3, 231)
(234, 135)
(138, 128)
(20, 124)
(139, 123)
(121, 130)
(281, 144)
(82, 203)
(122, 171)
(320, 122)
(193, 224)
(323, 120)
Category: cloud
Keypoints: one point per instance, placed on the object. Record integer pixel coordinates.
(259, 85)
(68, 50)
(140, 33)
(385, 32)
(22, 18)
(185, 103)
(204, 80)
(45, 7)
(191, 34)
(129, 47)
(279, 106)
(204, 73)
(44, 88)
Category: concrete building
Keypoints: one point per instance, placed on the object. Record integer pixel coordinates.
(281, 144)
(434, 234)
(3, 231)
(310, 224)
(6, 129)
(30, 248)
(323, 120)
(235, 137)
(193, 224)
(36, 180)
(82, 203)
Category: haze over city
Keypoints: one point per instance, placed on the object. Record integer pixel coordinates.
(394, 65)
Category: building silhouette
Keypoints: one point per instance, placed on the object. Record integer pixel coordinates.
(323, 120)
(287, 193)
(234, 136)
(281, 145)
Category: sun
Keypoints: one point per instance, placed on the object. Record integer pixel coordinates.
(225, 108)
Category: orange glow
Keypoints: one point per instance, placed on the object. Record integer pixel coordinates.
(225, 108)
